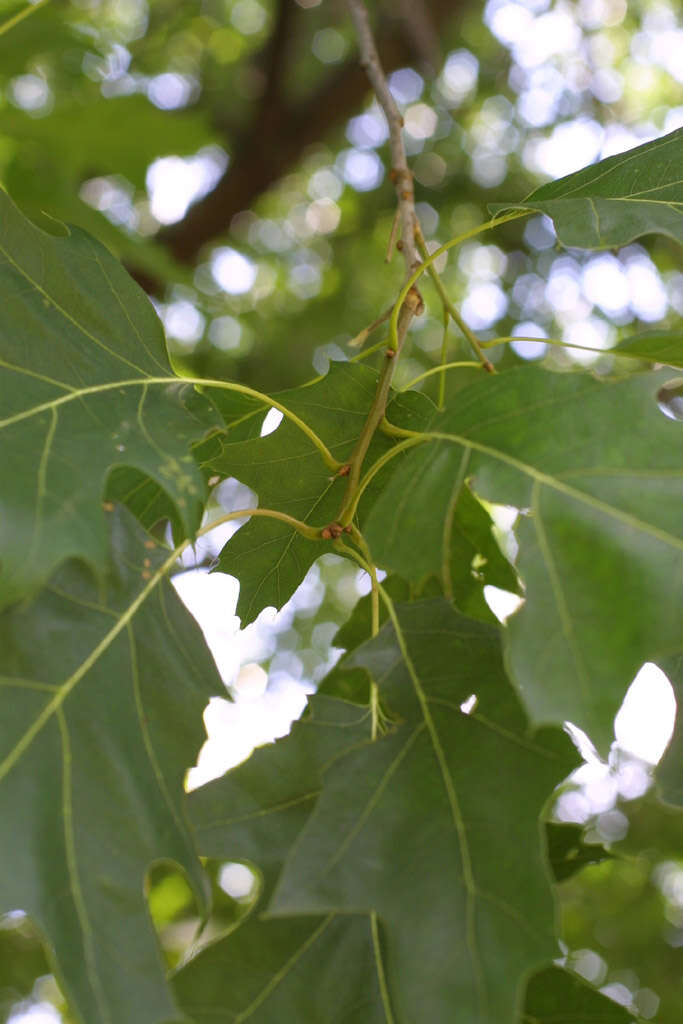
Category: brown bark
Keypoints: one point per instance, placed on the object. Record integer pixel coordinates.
(280, 132)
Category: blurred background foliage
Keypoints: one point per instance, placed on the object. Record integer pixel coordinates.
(231, 154)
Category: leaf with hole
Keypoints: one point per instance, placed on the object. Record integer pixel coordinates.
(287, 472)
(257, 809)
(599, 472)
(414, 827)
(104, 684)
(302, 969)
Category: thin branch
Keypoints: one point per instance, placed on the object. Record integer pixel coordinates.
(400, 172)
(411, 301)
(363, 335)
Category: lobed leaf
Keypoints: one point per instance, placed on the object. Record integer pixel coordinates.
(598, 469)
(270, 558)
(414, 826)
(614, 201)
(104, 682)
(269, 971)
(86, 386)
(256, 810)
(315, 968)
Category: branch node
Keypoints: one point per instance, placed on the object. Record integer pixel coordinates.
(414, 301)
(333, 531)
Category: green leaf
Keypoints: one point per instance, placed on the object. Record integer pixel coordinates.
(414, 826)
(555, 996)
(286, 470)
(316, 969)
(61, 137)
(655, 830)
(256, 810)
(308, 969)
(465, 556)
(86, 386)
(104, 684)
(669, 773)
(568, 852)
(618, 199)
(655, 346)
(598, 467)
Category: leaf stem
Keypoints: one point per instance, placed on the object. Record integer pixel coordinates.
(440, 369)
(448, 305)
(381, 976)
(442, 359)
(508, 339)
(366, 563)
(202, 382)
(359, 539)
(374, 418)
(242, 389)
(16, 18)
(309, 532)
(369, 351)
(416, 275)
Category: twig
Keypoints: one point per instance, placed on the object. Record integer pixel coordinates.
(375, 417)
(391, 244)
(411, 301)
(400, 172)
(362, 336)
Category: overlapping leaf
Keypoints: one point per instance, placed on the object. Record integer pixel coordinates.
(457, 544)
(618, 199)
(85, 386)
(318, 968)
(274, 972)
(286, 470)
(415, 827)
(555, 996)
(257, 809)
(103, 685)
(599, 470)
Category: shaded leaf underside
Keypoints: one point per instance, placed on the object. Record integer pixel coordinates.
(86, 386)
(618, 199)
(413, 826)
(600, 472)
(104, 686)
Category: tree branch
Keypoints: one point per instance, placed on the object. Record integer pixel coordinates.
(400, 172)
(280, 132)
